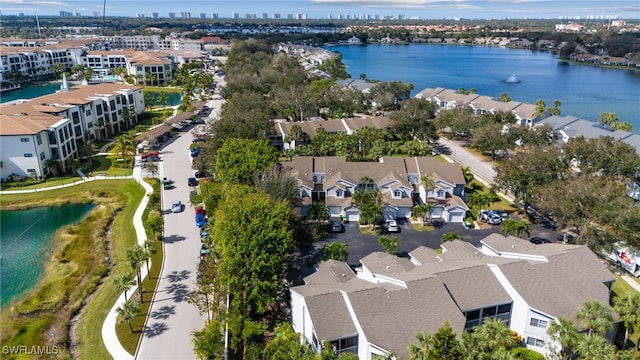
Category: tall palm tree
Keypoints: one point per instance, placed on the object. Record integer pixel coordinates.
(628, 308)
(468, 175)
(136, 256)
(150, 248)
(515, 227)
(422, 350)
(124, 282)
(127, 312)
(565, 332)
(422, 211)
(595, 316)
(594, 348)
(541, 108)
(318, 211)
(124, 146)
(427, 181)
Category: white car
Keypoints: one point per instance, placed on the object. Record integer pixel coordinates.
(392, 226)
(176, 206)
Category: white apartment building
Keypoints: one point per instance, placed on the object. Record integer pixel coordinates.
(379, 308)
(52, 126)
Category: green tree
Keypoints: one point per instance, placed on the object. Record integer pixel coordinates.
(442, 345)
(336, 251)
(565, 332)
(163, 99)
(555, 108)
(239, 159)
(541, 109)
(491, 340)
(528, 170)
(335, 67)
(607, 118)
(287, 345)
(391, 244)
(594, 347)
(279, 183)
(422, 211)
(150, 248)
(318, 211)
(155, 224)
(450, 236)
(135, 257)
(124, 282)
(124, 146)
(489, 138)
(414, 120)
(595, 316)
(604, 155)
(208, 342)
(627, 306)
(127, 312)
(250, 225)
(515, 227)
(504, 97)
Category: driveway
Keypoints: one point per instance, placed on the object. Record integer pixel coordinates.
(167, 334)
(360, 245)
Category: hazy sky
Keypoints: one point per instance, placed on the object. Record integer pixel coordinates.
(425, 9)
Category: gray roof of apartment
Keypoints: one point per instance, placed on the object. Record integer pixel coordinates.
(546, 287)
(573, 127)
(392, 318)
(333, 318)
(488, 103)
(449, 95)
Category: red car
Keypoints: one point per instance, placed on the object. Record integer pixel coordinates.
(199, 210)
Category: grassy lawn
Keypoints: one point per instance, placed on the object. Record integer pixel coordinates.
(423, 228)
(376, 231)
(75, 268)
(154, 117)
(163, 88)
(477, 187)
(620, 287)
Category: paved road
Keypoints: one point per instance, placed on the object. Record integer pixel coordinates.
(480, 168)
(171, 318)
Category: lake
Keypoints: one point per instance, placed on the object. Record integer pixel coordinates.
(26, 242)
(584, 91)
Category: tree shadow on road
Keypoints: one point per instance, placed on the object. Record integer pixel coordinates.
(155, 329)
(163, 313)
(174, 238)
(177, 276)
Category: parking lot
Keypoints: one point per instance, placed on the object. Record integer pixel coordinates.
(360, 245)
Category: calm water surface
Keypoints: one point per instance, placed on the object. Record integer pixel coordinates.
(25, 244)
(584, 91)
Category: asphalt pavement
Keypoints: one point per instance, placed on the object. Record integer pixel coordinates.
(167, 333)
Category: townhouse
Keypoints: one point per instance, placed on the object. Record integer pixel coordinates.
(569, 127)
(448, 99)
(378, 308)
(51, 127)
(333, 181)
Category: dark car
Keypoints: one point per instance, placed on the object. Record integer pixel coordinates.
(200, 174)
(192, 181)
(539, 240)
(336, 226)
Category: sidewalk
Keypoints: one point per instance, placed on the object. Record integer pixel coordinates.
(109, 336)
(633, 283)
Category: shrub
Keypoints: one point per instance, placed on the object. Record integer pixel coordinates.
(526, 354)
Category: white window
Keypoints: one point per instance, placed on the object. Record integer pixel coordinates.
(339, 193)
(539, 323)
(535, 342)
(397, 193)
(440, 194)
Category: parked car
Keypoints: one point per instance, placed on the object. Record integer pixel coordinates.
(195, 151)
(200, 174)
(192, 181)
(150, 156)
(391, 226)
(539, 240)
(176, 206)
(203, 234)
(503, 214)
(204, 250)
(336, 226)
(490, 217)
(199, 209)
(200, 220)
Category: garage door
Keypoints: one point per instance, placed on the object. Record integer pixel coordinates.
(353, 215)
(334, 211)
(403, 213)
(389, 213)
(456, 216)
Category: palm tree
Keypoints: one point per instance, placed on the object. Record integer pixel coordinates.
(565, 332)
(422, 211)
(628, 308)
(163, 99)
(127, 312)
(150, 248)
(136, 256)
(596, 317)
(504, 97)
(468, 175)
(124, 282)
(53, 165)
(541, 108)
(594, 348)
(495, 335)
(317, 211)
(427, 181)
(422, 350)
(124, 146)
(450, 236)
(515, 227)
